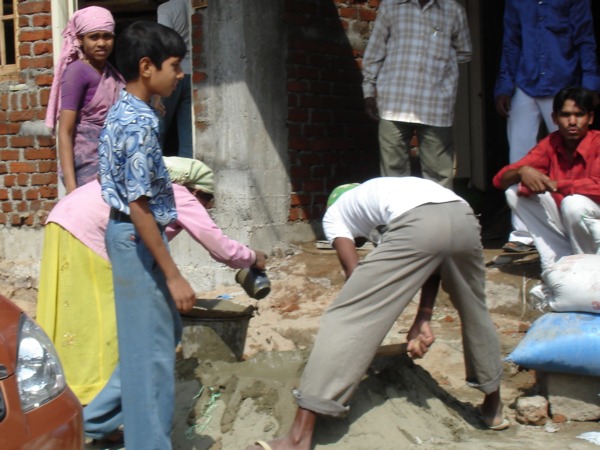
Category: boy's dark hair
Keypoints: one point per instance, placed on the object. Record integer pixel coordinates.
(146, 39)
(582, 97)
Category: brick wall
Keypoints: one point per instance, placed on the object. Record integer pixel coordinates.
(331, 140)
(28, 180)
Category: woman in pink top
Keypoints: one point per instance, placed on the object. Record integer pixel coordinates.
(85, 86)
(75, 297)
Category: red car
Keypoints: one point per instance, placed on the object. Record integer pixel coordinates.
(38, 411)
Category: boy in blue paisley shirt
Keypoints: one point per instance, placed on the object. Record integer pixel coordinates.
(149, 289)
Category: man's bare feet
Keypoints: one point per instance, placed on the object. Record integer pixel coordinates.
(491, 411)
(298, 438)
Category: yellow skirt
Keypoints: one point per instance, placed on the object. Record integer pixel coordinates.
(76, 308)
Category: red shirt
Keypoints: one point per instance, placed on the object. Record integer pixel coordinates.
(579, 176)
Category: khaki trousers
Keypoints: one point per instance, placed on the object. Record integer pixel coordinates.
(415, 245)
(436, 151)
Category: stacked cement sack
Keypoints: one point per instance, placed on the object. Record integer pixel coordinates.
(566, 339)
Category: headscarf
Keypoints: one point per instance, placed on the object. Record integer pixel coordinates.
(338, 191)
(190, 173)
(83, 21)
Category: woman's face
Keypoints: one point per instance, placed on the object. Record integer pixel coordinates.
(97, 46)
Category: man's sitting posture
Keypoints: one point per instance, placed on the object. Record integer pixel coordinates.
(555, 188)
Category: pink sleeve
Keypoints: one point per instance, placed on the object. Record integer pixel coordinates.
(194, 218)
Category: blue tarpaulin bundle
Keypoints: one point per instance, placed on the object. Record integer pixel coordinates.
(565, 342)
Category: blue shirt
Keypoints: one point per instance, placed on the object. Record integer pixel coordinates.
(548, 45)
(131, 162)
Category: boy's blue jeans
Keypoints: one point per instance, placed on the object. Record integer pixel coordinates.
(149, 328)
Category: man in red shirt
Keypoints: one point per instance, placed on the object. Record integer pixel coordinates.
(555, 188)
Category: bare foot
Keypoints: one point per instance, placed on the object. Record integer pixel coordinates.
(491, 411)
(282, 443)
(298, 438)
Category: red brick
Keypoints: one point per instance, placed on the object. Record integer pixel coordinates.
(348, 13)
(9, 155)
(38, 179)
(46, 141)
(367, 15)
(25, 49)
(44, 96)
(298, 214)
(48, 192)
(21, 116)
(23, 179)
(3, 194)
(298, 58)
(22, 141)
(9, 128)
(300, 172)
(296, 86)
(40, 153)
(3, 219)
(24, 21)
(41, 48)
(42, 20)
(318, 87)
(299, 199)
(297, 115)
(47, 166)
(298, 143)
(4, 100)
(38, 62)
(35, 35)
(321, 116)
(9, 180)
(313, 130)
(32, 194)
(33, 7)
(35, 205)
(198, 77)
(22, 168)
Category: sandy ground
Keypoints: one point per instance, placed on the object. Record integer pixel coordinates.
(227, 404)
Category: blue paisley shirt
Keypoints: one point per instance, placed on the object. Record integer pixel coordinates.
(131, 160)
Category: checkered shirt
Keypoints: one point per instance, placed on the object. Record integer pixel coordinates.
(411, 60)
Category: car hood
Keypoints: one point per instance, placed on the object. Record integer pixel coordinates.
(10, 316)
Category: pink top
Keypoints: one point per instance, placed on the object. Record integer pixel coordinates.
(84, 214)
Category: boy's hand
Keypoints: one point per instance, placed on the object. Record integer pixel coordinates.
(182, 293)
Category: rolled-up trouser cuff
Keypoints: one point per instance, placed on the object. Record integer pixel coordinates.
(319, 405)
(490, 386)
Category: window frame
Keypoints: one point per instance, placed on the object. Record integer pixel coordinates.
(9, 68)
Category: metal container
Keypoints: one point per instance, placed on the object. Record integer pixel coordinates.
(215, 330)
(255, 282)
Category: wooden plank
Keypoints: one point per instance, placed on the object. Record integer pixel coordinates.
(391, 350)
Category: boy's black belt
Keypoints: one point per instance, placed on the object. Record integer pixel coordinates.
(119, 216)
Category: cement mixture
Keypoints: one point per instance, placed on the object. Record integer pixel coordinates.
(425, 404)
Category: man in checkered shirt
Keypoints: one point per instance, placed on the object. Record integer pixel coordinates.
(410, 70)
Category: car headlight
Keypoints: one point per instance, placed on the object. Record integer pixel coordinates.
(40, 376)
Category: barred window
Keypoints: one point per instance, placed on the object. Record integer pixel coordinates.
(8, 45)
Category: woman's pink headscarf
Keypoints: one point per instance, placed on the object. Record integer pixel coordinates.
(83, 21)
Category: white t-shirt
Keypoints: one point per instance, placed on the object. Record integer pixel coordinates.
(377, 202)
(177, 14)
